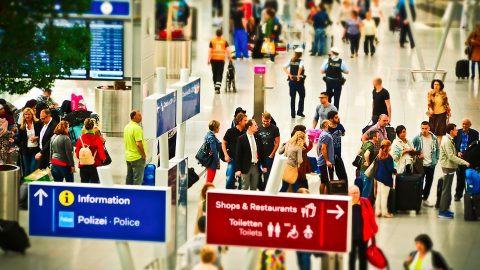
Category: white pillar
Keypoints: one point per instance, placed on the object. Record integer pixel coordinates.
(162, 89)
(182, 127)
(226, 20)
(452, 8)
(125, 255)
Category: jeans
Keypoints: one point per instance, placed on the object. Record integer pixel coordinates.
(404, 31)
(296, 87)
(240, 40)
(460, 181)
(334, 90)
(382, 198)
(473, 68)
(446, 198)
(369, 45)
(231, 176)
(89, 174)
(217, 71)
(319, 42)
(60, 172)
(303, 260)
(429, 171)
(135, 171)
(29, 163)
(367, 185)
(362, 255)
(354, 43)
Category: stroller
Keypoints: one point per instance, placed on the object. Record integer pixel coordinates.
(230, 83)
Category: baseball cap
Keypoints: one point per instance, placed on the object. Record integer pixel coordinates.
(335, 50)
(239, 110)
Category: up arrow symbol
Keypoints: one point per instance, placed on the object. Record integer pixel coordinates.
(40, 194)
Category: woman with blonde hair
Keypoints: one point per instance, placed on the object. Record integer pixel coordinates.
(61, 154)
(293, 151)
(384, 179)
(438, 109)
(27, 140)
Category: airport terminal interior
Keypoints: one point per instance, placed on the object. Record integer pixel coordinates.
(456, 239)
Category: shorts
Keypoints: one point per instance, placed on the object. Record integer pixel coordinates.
(325, 174)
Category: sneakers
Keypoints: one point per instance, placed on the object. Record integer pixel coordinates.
(427, 204)
(445, 214)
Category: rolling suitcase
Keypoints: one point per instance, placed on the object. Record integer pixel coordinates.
(149, 175)
(461, 69)
(471, 207)
(408, 189)
(338, 187)
(13, 237)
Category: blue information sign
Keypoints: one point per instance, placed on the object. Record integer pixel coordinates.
(135, 213)
(190, 100)
(166, 113)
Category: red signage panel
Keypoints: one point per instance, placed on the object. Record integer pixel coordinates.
(286, 220)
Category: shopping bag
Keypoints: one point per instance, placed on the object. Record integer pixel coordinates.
(39, 175)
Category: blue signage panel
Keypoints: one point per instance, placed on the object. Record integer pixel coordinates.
(190, 100)
(166, 113)
(95, 211)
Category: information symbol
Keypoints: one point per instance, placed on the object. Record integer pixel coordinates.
(66, 198)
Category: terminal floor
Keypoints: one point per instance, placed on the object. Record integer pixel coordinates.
(456, 239)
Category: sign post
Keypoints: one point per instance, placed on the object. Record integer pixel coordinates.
(292, 221)
(259, 92)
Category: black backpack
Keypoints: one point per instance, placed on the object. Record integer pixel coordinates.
(204, 155)
(13, 237)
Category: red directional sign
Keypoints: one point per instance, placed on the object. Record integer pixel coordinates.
(286, 220)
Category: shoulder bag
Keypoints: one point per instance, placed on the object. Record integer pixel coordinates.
(372, 169)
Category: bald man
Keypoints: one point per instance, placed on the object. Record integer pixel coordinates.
(465, 137)
(381, 100)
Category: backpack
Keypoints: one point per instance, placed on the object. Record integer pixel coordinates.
(472, 181)
(85, 155)
(204, 155)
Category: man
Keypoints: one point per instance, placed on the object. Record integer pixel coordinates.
(333, 68)
(46, 98)
(320, 22)
(326, 157)
(45, 135)
(270, 138)
(216, 57)
(195, 244)
(240, 36)
(426, 142)
(368, 154)
(237, 111)
(337, 131)
(381, 100)
(249, 156)
(449, 162)
(380, 126)
(405, 24)
(466, 136)
(322, 109)
(229, 146)
(135, 147)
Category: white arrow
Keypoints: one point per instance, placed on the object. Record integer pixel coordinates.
(40, 193)
(339, 212)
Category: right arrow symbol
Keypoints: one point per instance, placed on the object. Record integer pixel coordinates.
(40, 194)
(339, 212)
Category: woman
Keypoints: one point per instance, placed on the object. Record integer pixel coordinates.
(345, 10)
(61, 154)
(88, 171)
(369, 31)
(27, 140)
(202, 204)
(214, 127)
(438, 109)
(304, 167)
(424, 257)
(473, 41)
(384, 179)
(296, 81)
(293, 151)
(352, 30)
(6, 113)
(402, 150)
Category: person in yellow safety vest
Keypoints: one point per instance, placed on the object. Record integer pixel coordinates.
(216, 57)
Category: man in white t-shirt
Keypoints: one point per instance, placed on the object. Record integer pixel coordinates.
(426, 142)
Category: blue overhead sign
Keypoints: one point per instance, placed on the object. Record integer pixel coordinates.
(190, 99)
(134, 213)
(112, 8)
(166, 113)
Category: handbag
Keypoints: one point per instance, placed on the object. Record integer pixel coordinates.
(375, 256)
(108, 159)
(372, 169)
(356, 161)
(418, 166)
(290, 174)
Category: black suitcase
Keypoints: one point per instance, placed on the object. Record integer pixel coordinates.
(392, 24)
(471, 206)
(338, 187)
(461, 69)
(392, 197)
(439, 192)
(13, 237)
(408, 188)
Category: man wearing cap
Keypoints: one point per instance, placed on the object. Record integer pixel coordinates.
(322, 110)
(296, 81)
(333, 68)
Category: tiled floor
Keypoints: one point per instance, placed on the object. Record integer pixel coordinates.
(456, 239)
